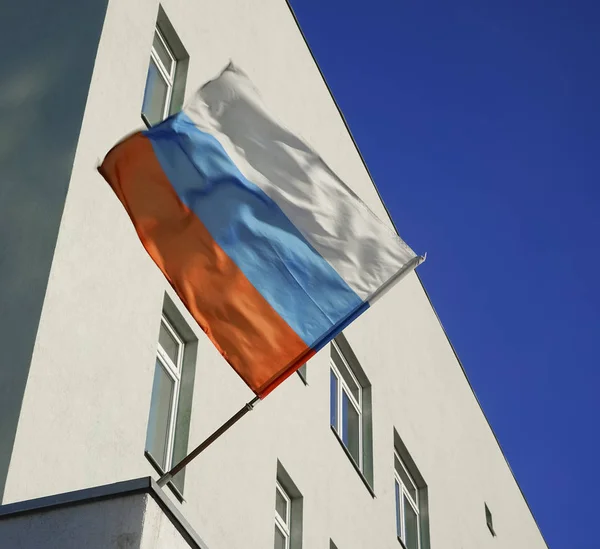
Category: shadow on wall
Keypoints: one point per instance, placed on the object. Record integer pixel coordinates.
(49, 52)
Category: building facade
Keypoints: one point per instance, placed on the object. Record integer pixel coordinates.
(378, 442)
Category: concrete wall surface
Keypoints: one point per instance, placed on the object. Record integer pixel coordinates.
(85, 407)
(159, 532)
(45, 70)
(110, 524)
(117, 521)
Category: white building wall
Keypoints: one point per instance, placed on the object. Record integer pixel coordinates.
(85, 409)
(158, 531)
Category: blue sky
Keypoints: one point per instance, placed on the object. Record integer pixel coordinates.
(480, 124)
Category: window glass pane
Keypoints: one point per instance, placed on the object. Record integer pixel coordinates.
(333, 401)
(160, 415)
(341, 366)
(162, 53)
(180, 440)
(281, 505)
(406, 480)
(412, 528)
(280, 539)
(398, 510)
(155, 95)
(351, 427)
(168, 343)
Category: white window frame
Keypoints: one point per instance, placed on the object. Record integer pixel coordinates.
(284, 524)
(342, 387)
(173, 370)
(169, 76)
(405, 495)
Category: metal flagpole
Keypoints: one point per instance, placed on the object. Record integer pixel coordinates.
(407, 268)
(207, 442)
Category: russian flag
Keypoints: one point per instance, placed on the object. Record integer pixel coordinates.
(270, 251)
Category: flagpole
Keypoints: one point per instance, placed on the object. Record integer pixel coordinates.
(406, 268)
(208, 441)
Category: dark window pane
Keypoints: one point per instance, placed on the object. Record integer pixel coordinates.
(162, 53)
(351, 427)
(160, 416)
(341, 366)
(168, 343)
(279, 539)
(333, 402)
(398, 511)
(180, 442)
(155, 95)
(281, 505)
(412, 528)
(406, 480)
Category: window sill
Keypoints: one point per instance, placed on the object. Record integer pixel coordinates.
(354, 464)
(159, 470)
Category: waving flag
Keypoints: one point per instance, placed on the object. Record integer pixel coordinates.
(270, 251)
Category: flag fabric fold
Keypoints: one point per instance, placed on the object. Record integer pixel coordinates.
(269, 250)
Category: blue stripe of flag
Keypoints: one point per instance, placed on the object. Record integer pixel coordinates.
(254, 232)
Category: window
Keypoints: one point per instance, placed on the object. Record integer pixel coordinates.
(288, 512)
(407, 506)
(283, 518)
(167, 70)
(489, 520)
(346, 405)
(350, 408)
(159, 81)
(410, 493)
(171, 398)
(165, 395)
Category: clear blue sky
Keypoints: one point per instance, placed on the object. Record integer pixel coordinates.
(480, 123)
